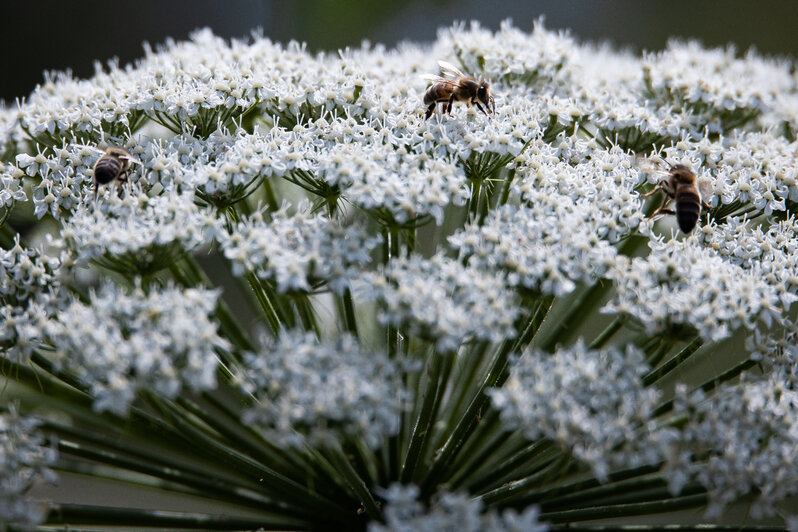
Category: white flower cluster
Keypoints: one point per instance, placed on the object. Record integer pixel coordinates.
(755, 169)
(11, 185)
(310, 392)
(715, 84)
(591, 402)
(25, 274)
(406, 186)
(298, 250)
(25, 457)
(120, 343)
(681, 283)
(443, 301)
(450, 512)
(63, 176)
(740, 440)
(146, 232)
(29, 283)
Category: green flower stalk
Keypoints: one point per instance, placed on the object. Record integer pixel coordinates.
(311, 308)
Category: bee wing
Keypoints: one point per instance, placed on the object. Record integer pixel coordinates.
(449, 69)
(92, 148)
(131, 159)
(433, 78)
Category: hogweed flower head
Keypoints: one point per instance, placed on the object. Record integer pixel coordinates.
(463, 314)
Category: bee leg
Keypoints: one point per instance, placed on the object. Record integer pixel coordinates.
(706, 205)
(653, 191)
(430, 110)
(449, 106)
(663, 208)
(479, 106)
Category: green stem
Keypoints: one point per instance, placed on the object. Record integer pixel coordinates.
(673, 363)
(356, 483)
(423, 422)
(508, 181)
(270, 312)
(711, 384)
(76, 514)
(269, 480)
(626, 510)
(271, 198)
(608, 333)
(466, 424)
(575, 316)
(306, 314)
(507, 493)
(524, 457)
(346, 307)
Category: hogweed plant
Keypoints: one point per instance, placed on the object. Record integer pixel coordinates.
(311, 308)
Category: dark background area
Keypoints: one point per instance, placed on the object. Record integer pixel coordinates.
(72, 34)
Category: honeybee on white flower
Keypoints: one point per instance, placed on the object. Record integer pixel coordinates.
(680, 185)
(115, 164)
(456, 86)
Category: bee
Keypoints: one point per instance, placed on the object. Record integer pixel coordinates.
(680, 185)
(115, 164)
(457, 87)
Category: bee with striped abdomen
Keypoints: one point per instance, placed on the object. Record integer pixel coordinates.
(680, 186)
(457, 87)
(115, 164)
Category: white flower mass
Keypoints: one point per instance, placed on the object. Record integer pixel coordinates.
(306, 392)
(25, 460)
(371, 241)
(119, 344)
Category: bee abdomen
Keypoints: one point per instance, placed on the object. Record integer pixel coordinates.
(436, 93)
(107, 169)
(688, 208)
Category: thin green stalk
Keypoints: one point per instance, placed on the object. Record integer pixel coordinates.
(347, 306)
(534, 324)
(260, 447)
(356, 483)
(423, 422)
(270, 312)
(467, 382)
(505, 494)
(673, 363)
(212, 486)
(525, 456)
(271, 480)
(549, 493)
(508, 181)
(306, 313)
(78, 514)
(473, 202)
(466, 424)
(608, 333)
(626, 510)
(711, 384)
(269, 195)
(575, 316)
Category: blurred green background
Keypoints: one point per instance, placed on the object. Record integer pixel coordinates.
(60, 34)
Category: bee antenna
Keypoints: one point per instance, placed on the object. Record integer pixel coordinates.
(670, 166)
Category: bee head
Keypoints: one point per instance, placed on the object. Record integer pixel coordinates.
(484, 96)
